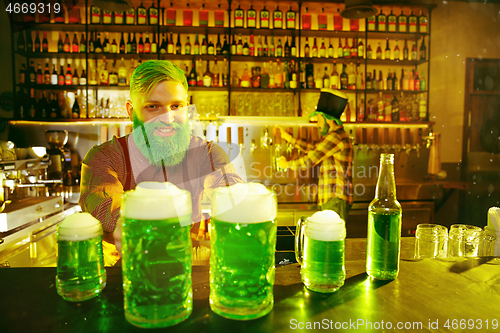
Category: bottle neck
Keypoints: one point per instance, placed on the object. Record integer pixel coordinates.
(386, 184)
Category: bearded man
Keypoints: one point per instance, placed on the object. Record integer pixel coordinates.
(160, 148)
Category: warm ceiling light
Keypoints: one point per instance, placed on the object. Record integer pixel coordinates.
(357, 9)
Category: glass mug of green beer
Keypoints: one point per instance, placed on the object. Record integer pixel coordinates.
(156, 255)
(243, 242)
(320, 250)
(80, 265)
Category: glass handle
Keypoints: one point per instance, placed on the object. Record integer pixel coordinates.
(299, 239)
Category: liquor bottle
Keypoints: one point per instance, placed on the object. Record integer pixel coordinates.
(371, 23)
(225, 47)
(423, 82)
(402, 23)
(290, 19)
(369, 53)
(60, 44)
(207, 76)
(277, 18)
(32, 73)
(251, 47)
(147, 44)
(233, 46)
(122, 48)
(344, 78)
(380, 83)
(97, 44)
(142, 15)
(75, 110)
(38, 75)
(368, 84)
(412, 23)
(171, 15)
(330, 51)
(83, 78)
(414, 53)
(416, 82)
(60, 77)
(187, 16)
(381, 22)
(203, 16)
(178, 46)
(153, 14)
(422, 108)
(154, 45)
(391, 22)
(405, 50)
(107, 17)
(219, 17)
(318, 80)
(21, 42)
(264, 18)
(106, 46)
(347, 49)
(210, 48)
(113, 75)
(140, 45)
(130, 16)
(359, 77)
(265, 48)
(395, 109)
(395, 81)
(54, 111)
(187, 46)
(192, 78)
(334, 78)
(306, 20)
(351, 78)
(122, 74)
(361, 49)
(322, 49)
(114, 47)
(397, 53)
(422, 23)
(69, 76)
(423, 49)
(104, 73)
(119, 18)
(338, 21)
(37, 44)
(204, 45)
(42, 107)
(251, 18)
(82, 47)
(128, 47)
(387, 52)
(75, 79)
(411, 81)
(272, 49)
(340, 49)
(306, 49)
(389, 81)
(239, 47)
(54, 76)
(216, 81)
(29, 42)
(95, 14)
(45, 43)
(196, 46)
(384, 225)
(92, 79)
(314, 53)
(170, 45)
(322, 20)
(246, 48)
(279, 49)
(22, 74)
(293, 48)
(238, 17)
(354, 24)
(403, 81)
(378, 54)
(354, 48)
(245, 78)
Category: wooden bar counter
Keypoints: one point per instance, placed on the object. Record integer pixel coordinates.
(428, 296)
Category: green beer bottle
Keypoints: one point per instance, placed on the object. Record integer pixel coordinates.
(384, 225)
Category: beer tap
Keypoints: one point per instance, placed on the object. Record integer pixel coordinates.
(253, 147)
(228, 140)
(240, 138)
(265, 140)
(277, 149)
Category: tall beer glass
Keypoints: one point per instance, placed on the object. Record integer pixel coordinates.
(320, 250)
(243, 242)
(156, 254)
(80, 265)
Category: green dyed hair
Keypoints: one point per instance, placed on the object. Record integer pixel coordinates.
(152, 72)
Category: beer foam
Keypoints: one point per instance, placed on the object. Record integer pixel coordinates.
(326, 226)
(156, 201)
(244, 203)
(79, 227)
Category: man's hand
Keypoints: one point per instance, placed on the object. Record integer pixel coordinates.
(282, 163)
(284, 135)
(117, 234)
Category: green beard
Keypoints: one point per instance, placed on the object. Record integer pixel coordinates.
(161, 151)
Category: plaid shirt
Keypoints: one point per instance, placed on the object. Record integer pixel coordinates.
(335, 154)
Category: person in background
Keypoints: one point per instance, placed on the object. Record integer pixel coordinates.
(160, 148)
(334, 154)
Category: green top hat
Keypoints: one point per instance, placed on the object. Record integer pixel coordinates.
(331, 104)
